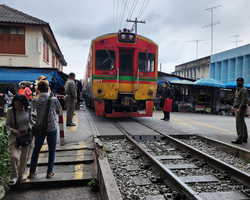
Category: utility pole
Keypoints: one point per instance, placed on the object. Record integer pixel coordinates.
(236, 39)
(212, 24)
(160, 66)
(135, 23)
(197, 41)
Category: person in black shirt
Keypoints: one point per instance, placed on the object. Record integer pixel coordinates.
(78, 93)
(166, 94)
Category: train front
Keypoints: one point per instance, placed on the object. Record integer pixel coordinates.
(124, 75)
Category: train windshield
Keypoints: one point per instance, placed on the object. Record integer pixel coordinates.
(126, 61)
(146, 62)
(105, 60)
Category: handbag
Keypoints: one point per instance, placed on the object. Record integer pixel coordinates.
(25, 137)
(40, 130)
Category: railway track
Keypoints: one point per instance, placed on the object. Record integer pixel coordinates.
(173, 169)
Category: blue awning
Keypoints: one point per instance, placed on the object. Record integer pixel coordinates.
(210, 82)
(18, 74)
(234, 85)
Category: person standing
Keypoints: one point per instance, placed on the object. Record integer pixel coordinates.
(78, 93)
(40, 104)
(22, 86)
(166, 94)
(27, 91)
(239, 109)
(18, 121)
(36, 83)
(70, 99)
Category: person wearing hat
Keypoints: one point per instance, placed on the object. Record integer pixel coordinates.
(42, 77)
(22, 86)
(27, 91)
(239, 109)
(70, 98)
(166, 94)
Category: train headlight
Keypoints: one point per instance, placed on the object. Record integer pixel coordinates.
(123, 36)
(126, 37)
(150, 92)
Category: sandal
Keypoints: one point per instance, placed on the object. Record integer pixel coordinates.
(23, 179)
(50, 175)
(12, 181)
(32, 175)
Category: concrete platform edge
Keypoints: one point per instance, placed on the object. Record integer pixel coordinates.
(108, 187)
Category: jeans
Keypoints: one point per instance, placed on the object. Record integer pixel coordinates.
(51, 140)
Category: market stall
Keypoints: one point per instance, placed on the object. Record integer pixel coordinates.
(183, 95)
(207, 95)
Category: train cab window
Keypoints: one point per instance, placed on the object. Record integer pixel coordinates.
(146, 62)
(126, 62)
(105, 60)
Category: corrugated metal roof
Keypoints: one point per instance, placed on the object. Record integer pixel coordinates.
(10, 15)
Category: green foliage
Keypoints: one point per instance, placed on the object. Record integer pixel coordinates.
(4, 156)
(94, 183)
(106, 150)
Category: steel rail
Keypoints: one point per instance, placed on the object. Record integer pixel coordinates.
(236, 174)
(168, 177)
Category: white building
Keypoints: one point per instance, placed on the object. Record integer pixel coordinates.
(27, 41)
(196, 69)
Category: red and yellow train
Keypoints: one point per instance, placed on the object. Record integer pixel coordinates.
(121, 75)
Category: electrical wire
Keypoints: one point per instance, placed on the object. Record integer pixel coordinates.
(127, 10)
(114, 14)
(116, 18)
(120, 18)
(125, 24)
(123, 13)
(132, 9)
(143, 9)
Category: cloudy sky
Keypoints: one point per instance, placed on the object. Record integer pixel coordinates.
(170, 23)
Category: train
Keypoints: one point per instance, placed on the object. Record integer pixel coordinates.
(120, 78)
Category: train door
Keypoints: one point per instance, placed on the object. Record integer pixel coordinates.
(126, 71)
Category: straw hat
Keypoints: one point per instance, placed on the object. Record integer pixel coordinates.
(42, 77)
(28, 83)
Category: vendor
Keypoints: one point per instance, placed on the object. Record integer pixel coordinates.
(166, 94)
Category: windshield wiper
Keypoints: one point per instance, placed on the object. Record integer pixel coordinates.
(109, 56)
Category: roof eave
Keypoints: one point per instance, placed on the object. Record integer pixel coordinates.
(48, 31)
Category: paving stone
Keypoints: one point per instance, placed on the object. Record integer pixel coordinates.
(232, 195)
(198, 179)
(181, 166)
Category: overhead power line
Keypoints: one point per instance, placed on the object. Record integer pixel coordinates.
(139, 15)
(123, 14)
(114, 14)
(116, 17)
(131, 11)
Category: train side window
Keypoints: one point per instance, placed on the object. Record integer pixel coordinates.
(146, 62)
(105, 60)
